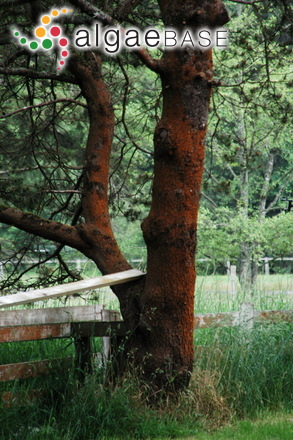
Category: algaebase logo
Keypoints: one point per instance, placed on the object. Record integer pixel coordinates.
(111, 39)
(47, 35)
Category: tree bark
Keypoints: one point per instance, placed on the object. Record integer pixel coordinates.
(96, 231)
(167, 301)
(170, 229)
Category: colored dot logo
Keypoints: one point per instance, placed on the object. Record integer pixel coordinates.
(48, 36)
(45, 19)
(40, 32)
(55, 31)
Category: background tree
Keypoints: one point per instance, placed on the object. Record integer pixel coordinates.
(249, 155)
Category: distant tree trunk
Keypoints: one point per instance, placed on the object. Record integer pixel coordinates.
(248, 264)
(245, 248)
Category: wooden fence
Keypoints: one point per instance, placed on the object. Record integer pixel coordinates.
(80, 323)
(84, 322)
(247, 317)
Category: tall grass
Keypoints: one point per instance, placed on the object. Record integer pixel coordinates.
(248, 371)
(253, 371)
(95, 411)
(236, 375)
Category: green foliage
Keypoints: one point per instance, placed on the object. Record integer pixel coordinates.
(279, 235)
(220, 233)
(249, 143)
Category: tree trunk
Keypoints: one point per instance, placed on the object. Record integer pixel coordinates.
(245, 266)
(167, 302)
(170, 229)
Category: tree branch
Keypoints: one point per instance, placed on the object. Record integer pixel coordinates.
(126, 8)
(64, 191)
(211, 175)
(148, 60)
(36, 225)
(106, 19)
(8, 3)
(209, 199)
(289, 177)
(19, 170)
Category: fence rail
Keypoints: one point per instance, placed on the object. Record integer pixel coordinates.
(85, 322)
(70, 288)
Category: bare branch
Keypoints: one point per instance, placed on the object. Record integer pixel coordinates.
(288, 177)
(209, 199)
(19, 170)
(211, 175)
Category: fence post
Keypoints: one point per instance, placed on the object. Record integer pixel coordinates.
(83, 359)
(233, 280)
(267, 266)
(78, 265)
(246, 316)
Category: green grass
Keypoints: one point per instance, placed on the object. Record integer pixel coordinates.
(274, 427)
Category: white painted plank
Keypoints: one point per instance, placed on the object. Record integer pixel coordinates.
(56, 315)
(70, 288)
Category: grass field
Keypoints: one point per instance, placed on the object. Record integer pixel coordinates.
(272, 292)
(271, 427)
